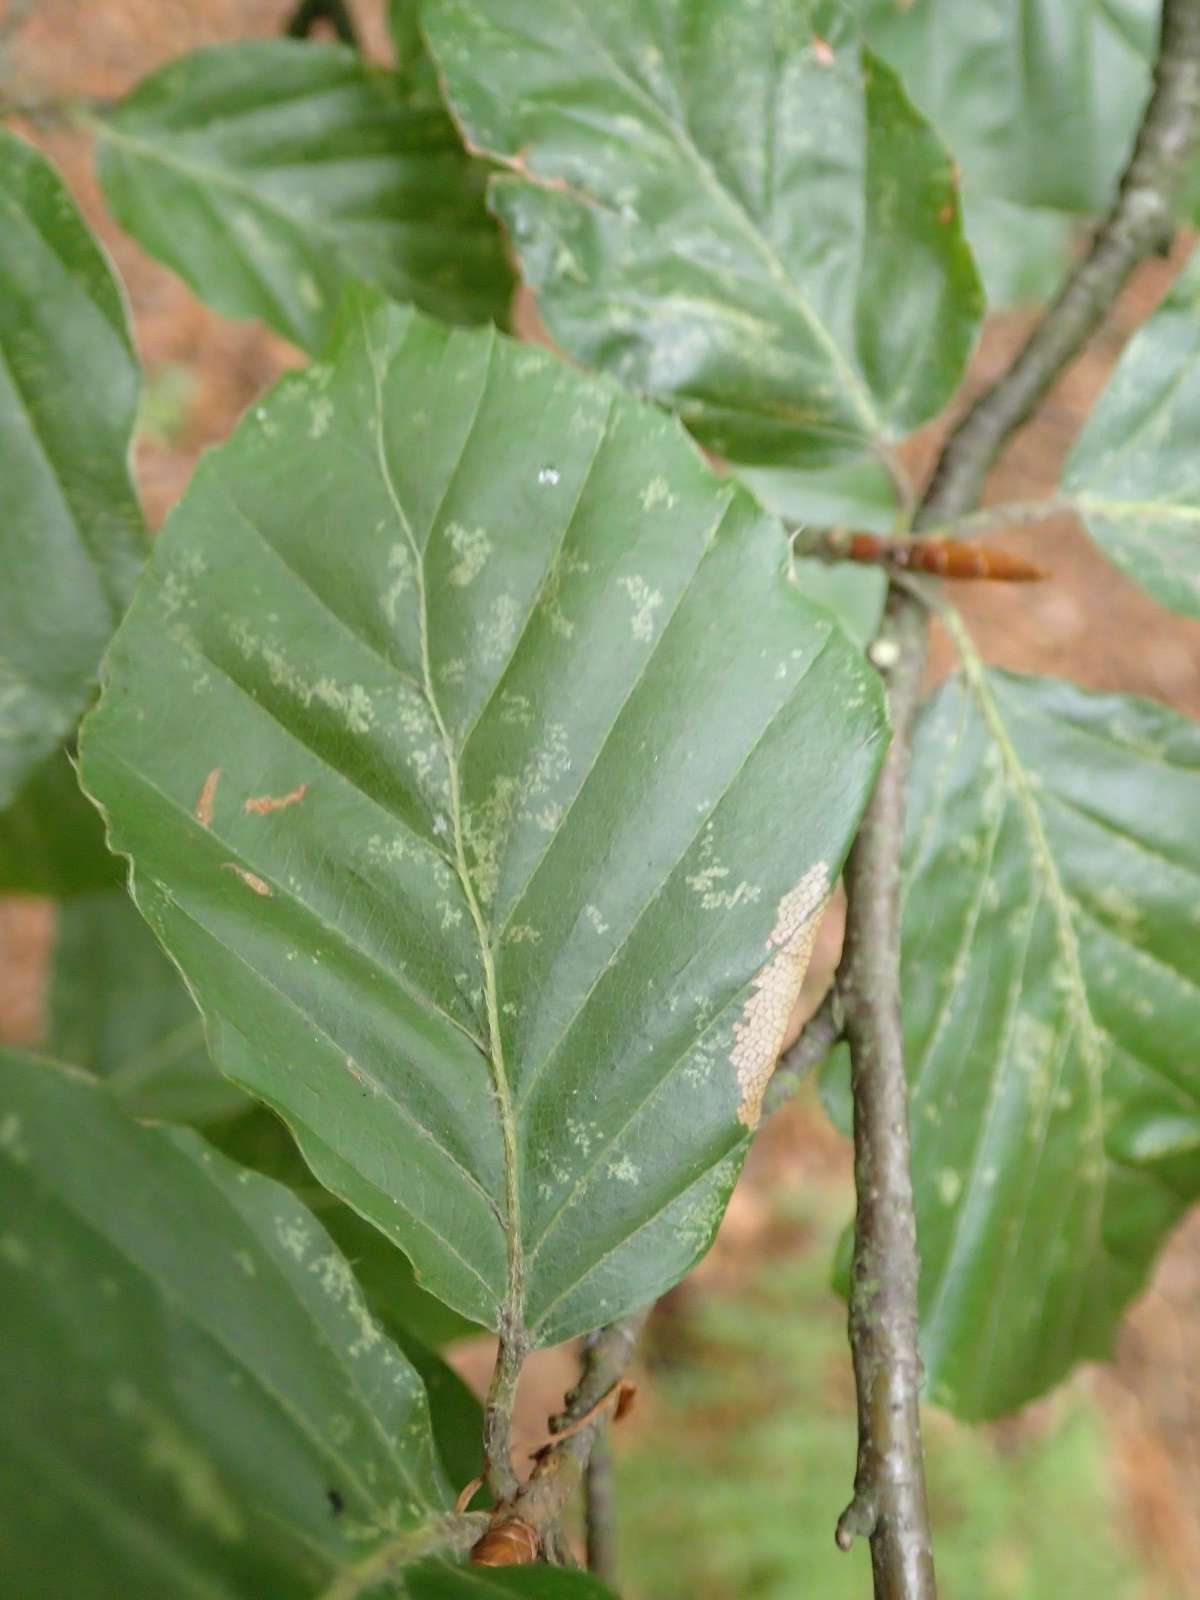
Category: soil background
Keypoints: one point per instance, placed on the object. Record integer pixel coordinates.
(1087, 623)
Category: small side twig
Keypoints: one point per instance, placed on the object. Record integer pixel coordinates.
(889, 1503)
(309, 12)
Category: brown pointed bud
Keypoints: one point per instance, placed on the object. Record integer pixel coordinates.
(510, 1542)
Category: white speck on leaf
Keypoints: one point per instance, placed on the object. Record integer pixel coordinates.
(658, 493)
(623, 1170)
(646, 602)
(949, 1185)
(472, 547)
(320, 415)
(293, 1236)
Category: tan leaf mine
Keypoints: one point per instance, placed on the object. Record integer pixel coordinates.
(207, 797)
(758, 1037)
(263, 804)
(250, 879)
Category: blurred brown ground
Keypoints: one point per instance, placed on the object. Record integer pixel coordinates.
(1088, 623)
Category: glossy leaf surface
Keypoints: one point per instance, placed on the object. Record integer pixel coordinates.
(1135, 470)
(1051, 973)
(733, 208)
(196, 1400)
(450, 736)
(71, 534)
(271, 173)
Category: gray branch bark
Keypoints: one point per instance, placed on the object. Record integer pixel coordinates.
(600, 1508)
(889, 1504)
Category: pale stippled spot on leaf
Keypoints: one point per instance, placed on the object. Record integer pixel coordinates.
(472, 547)
(320, 414)
(759, 1035)
(646, 601)
(400, 562)
(350, 701)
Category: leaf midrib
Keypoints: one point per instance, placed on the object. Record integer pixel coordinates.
(512, 1319)
(1124, 510)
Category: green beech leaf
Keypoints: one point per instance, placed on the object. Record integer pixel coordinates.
(51, 836)
(1051, 980)
(196, 1399)
(733, 208)
(1039, 103)
(262, 1141)
(269, 174)
(71, 535)
(117, 1006)
(437, 1580)
(1135, 470)
(474, 753)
